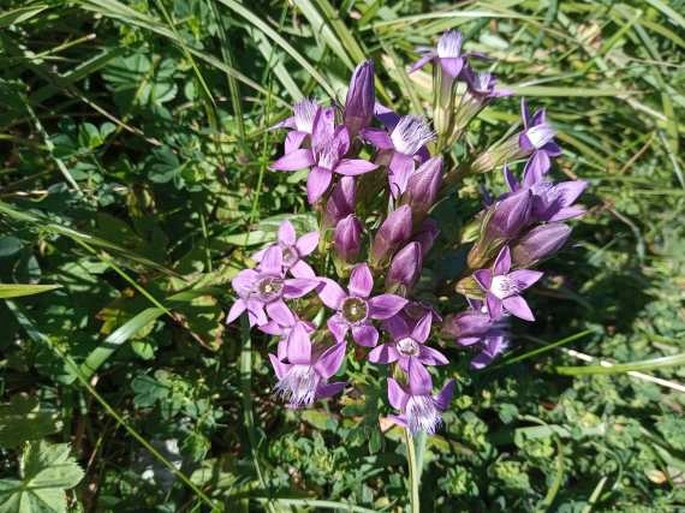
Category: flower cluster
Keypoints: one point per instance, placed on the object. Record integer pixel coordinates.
(373, 179)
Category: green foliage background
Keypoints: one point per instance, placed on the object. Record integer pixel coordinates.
(134, 177)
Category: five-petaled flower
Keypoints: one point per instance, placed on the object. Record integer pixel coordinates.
(294, 250)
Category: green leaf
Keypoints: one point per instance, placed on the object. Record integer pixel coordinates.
(9, 246)
(8, 290)
(22, 420)
(47, 471)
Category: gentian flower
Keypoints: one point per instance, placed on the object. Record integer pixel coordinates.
(326, 156)
(503, 288)
(347, 238)
(399, 148)
(355, 309)
(282, 325)
(423, 186)
(407, 344)
(393, 232)
(361, 98)
(261, 291)
(303, 376)
(405, 269)
(447, 55)
(294, 250)
(539, 243)
(301, 123)
(420, 411)
(537, 140)
(341, 201)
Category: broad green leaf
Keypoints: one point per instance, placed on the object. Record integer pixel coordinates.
(47, 471)
(8, 290)
(22, 420)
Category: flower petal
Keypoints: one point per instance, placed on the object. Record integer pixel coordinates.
(385, 306)
(430, 356)
(286, 234)
(272, 261)
(365, 335)
(422, 329)
(378, 137)
(331, 293)
(317, 183)
(361, 281)
(425, 59)
(302, 269)
(354, 167)
(293, 141)
(237, 308)
(298, 287)
(502, 262)
(279, 312)
(420, 381)
(279, 367)
(327, 390)
(494, 305)
(330, 361)
(244, 282)
(296, 159)
(385, 354)
(483, 278)
(517, 306)
(525, 278)
(443, 399)
(396, 395)
(299, 346)
(338, 327)
(307, 243)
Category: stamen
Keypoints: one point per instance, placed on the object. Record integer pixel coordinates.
(408, 347)
(269, 288)
(410, 134)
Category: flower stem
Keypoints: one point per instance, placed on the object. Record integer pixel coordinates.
(414, 474)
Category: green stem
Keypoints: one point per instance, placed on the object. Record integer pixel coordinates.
(414, 474)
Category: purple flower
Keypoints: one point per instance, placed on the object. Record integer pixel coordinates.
(330, 144)
(554, 202)
(301, 123)
(303, 375)
(503, 288)
(393, 232)
(405, 269)
(282, 324)
(447, 54)
(420, 411)
(347, 238)
(341, 201)
(423, 186)
(407, 344)
(361, 98)
(355, 309)
(294, 250)
(261, 291)
(537, 140)
(400, 147)
(475, 329)
(539, 243)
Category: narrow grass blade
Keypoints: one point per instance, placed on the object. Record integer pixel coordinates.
(9, 290)
(621, 368)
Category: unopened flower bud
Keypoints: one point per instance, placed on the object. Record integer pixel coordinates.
(395, 231)
(539, 243)
(405, 269)
(347, 238)
(361, 97)
(423, 187)
(341, 201)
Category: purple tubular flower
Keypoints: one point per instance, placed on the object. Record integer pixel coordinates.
(355, 309)
(261, 291)
(537, 140)
(393, 232)
(341, 201)
(448, 55)
(407, 344)
(361, 98)
(326, 156)
(347, 238)
(405, 269)
(294, 250)
(554, 202)
(400, 147)
(423, 186)
(300, 123)
(539, 243)
(303, 375)
(503, 288)
(420, 411)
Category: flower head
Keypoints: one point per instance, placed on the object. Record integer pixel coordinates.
(294, 250)
(301, 123)
(537, 140)
(361, 98)
(447, 54)
(355, 309)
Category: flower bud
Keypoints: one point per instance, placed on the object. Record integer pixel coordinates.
(405, 269)
(341, 201)
(361, 97)
(347, 238)
(395, 231)
(423, 187)
(539, 243)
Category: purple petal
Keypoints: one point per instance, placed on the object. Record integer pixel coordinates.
(331, 293)
(244, 281)
(317, 183)
(443, 399)
(378, 137)
(430, 356)
(299, 345)
(422, 330)
(271, 328)
(302, 269)
(286, 123)
(517, 306)
(482, 360)
(536, 166)
(279, 367)
(296, 159)
(361, 281)
(422, 62)
(279, 312)
(354, 167)
(338, 327)
(286, 234)
(397, 327)
(502, 262)
(452, 66)
(255, 313)
(307, 243)
(510, 179)
(272, 261)
(365, 335)
(484, 278)
(401, 167)
(323, 127)
(525, 278)
(385, 306)
(396, 395)
(525, 115)
(420, 381)
(330, 361)
(326, 390)
(237, 308)
(568, 213)
(298, 287)
(494, 305)
(385, 354)
(293, 141)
